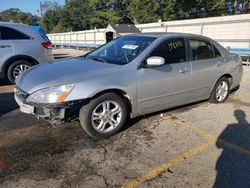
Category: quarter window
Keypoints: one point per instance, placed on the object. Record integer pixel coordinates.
(201, 49)
(11, 34)
(172, 50)
(217, 52)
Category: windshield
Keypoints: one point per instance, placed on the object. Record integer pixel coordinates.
(122, 50)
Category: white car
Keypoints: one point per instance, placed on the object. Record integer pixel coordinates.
(21, 46)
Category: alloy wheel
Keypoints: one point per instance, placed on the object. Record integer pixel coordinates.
(106, 116)
(20, 69)
(222, 91)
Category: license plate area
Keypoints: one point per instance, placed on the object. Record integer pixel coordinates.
(24, 107)
(27, 109)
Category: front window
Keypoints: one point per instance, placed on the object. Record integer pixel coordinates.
(172, 50)
(122, 50)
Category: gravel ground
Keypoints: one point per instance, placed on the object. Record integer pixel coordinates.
(198, 145)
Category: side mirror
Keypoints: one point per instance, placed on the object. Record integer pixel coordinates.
(155, 61)
(228, 48)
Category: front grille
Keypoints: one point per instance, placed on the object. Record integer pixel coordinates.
(21, 94)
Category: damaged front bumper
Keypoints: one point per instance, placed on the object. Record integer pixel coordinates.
(54, 113)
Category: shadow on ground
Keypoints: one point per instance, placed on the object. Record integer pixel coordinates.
(61, 56)
(233, 166)
(4, 83)
(7, 103)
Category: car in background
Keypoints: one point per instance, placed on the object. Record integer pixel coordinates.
(129, 77)
(22, 46)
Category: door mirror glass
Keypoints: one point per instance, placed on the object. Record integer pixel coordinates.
(155, 61)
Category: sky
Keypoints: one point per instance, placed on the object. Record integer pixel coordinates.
(24, 5)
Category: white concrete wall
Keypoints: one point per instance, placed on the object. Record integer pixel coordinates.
(231, 31)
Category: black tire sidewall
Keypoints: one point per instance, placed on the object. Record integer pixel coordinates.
(213, 98)
(13, 66)
(86, 112)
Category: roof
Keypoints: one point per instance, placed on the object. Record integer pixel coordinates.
(13, 24)
(160, 34)
(122, 28)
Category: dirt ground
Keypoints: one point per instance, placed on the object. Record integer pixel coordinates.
(198, 145)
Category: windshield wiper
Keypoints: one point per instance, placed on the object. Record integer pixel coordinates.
(100, 59)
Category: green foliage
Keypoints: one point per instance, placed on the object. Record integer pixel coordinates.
(144, 11)
(102, 13)
(16, 15)
(78, 15)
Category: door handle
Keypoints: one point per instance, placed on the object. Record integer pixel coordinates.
(183, 70)
(219, 63)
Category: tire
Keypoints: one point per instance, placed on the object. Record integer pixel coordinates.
(102, 119)
(215, 97)
(17, 65)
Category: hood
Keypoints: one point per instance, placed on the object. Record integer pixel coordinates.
(61, 72)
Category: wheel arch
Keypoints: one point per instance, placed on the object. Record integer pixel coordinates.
(12, 59)
(228, 76)
(120, 93)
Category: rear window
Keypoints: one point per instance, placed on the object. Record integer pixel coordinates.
(7, 33)
(201, 50)
(41, 32)
(217, 53)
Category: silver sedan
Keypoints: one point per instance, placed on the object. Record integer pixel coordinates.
(128, 77)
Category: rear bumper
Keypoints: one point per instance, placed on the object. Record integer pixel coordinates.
(47, 58)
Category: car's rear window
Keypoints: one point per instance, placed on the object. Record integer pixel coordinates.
(41, 32)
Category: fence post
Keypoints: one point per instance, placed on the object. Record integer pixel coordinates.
(94, 37)
(60, 41)
(202, 27)
(70, 39)
(166, 30)
(77, 42)
(85, 38)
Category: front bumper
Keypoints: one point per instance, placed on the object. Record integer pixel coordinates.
(54, 113)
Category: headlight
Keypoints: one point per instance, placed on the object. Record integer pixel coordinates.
(51, 95)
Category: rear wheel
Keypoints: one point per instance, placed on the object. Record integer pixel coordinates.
(17, 68)
(221, 91)
(104, 116)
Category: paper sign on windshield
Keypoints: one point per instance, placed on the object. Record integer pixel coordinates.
(130, 46)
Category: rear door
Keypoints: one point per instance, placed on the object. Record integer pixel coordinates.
(206, 67)
(167, 85)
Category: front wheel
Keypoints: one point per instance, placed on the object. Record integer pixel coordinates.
(221, 91)
(103, 116)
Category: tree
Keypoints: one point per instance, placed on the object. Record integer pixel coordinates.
(121, 7)
(16, 15)
(143, 11)
(78, 14)
(102, 13)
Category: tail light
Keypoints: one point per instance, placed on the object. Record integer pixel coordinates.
(47, 44)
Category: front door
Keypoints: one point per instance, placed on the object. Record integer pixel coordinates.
(167, 85)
